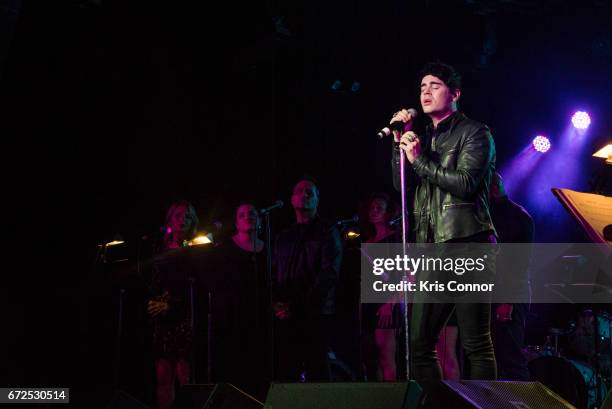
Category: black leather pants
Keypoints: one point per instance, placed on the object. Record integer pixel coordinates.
(473, 320)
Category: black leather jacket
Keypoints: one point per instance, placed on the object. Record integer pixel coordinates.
(450, 180)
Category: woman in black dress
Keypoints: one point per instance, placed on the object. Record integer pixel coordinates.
(380, 322)
(169, 308)
(240, 307)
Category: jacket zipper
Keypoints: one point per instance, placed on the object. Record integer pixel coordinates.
(447, 205)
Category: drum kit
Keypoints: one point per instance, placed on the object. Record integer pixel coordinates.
(581, 373)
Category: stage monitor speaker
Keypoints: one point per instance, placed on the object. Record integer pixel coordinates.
(215, 396)
(490, 395)
(123, 400)
(344, 395)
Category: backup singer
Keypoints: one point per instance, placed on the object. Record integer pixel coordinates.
(452, 168)
(307, 257)
(169, 309)
(240, 307)
(380, 322)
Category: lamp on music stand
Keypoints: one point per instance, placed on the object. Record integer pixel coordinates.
(201, 239)
(605, 153)
(600, 183)
(111, 252)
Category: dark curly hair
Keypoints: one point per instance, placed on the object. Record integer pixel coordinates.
(366, 228)
(445, 72)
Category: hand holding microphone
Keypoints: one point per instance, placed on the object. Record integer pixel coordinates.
(409, 141)
(401, 122)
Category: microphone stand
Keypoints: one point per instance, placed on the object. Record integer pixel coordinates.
(404, 246)
(209, 340)
(193, 326)
(101, 258)
(258, 296)
(270, 295)
(118, 339)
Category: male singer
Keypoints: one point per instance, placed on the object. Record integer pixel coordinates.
(308, 256)
(453, 164)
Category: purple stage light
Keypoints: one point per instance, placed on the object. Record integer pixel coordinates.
(581, 120)
(541, 144)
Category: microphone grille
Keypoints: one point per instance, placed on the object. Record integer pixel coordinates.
(413, 112)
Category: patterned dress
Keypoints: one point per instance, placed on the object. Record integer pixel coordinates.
(172, 330)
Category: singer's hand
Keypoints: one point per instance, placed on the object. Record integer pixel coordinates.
(411, 144)
(401, 116)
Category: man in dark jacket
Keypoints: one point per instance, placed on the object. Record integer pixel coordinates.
(307, 257)
(451, 168)
(513, 225)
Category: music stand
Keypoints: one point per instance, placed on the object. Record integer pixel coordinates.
(593, 213)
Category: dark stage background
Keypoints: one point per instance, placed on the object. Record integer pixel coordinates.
(113, 109)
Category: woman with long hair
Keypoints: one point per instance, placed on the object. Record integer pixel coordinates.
(169, 308)
(381, 321)
(240, 307)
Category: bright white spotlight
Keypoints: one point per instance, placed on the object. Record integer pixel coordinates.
(581, 120)
(541, 144)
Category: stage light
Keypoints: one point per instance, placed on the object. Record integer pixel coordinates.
(541, 144)
(113, 251)
(351, 235)
(605, 153)
(581, 120)
(115, 241)
(201, 239)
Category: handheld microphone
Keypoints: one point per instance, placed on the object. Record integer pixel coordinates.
(396, 125)
(394, 221)
(277, 205)
(344, 222)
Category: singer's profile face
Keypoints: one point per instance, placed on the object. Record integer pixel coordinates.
(378, 211)
(435, 95)
(305, 196)
(246, 218)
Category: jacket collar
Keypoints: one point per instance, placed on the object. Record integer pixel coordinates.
(447, 123)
